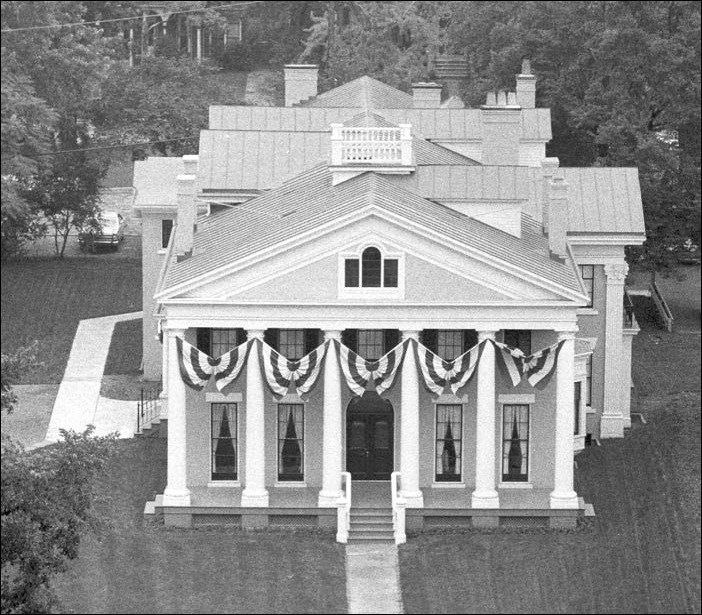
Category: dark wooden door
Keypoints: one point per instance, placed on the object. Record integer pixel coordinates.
(369, 445)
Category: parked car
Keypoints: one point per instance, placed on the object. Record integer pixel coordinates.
(109, 232)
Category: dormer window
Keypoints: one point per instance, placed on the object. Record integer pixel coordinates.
(371, 270)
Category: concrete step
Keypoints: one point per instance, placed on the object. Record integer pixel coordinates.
(371, 526)
(366, 537)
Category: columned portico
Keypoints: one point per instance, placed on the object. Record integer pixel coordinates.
(612, 424)
(255, 493)
(331, 427)
(485, 494)
(563, 495)
(409, 426)
(176, 492)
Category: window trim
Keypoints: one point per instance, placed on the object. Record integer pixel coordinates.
(449, 483)
(229, 482)
(529, 331)
(461, 335)
(302, 344)
(170, 233)
(291, 482)
(591, 294)
(371, 292)
(516, 484)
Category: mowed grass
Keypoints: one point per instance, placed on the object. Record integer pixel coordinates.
(142, 567)
(44, 299)
(642, 552)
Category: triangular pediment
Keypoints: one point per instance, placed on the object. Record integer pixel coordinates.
(431, 271)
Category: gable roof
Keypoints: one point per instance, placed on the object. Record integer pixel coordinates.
(310, 201)
(364, 92)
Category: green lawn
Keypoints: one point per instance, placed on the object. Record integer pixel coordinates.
(642, 552)
(44, 298)
(138, 567)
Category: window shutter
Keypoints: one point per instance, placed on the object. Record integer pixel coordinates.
(430, 338)
(271, 337)
(312, 339)
(391, 338)
(470, 339)
(349, 337)
(204, 340)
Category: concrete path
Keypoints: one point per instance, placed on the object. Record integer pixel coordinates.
(78, 401)
(373, 579)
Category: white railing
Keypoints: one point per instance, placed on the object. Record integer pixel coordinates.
(370, 145)
(343, 509)
(398, 509)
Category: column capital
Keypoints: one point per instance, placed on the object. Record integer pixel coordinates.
(565, 335)
(332, 334)
(255, 334)
(410, 334)
(172, 330)
(616, 272)
(486, 335)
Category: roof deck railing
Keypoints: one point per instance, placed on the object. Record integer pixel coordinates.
(370, 145)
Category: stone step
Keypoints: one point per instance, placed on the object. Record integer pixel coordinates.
(366, 537)
(372, 526)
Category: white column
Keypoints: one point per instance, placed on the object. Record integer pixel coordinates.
(163, 396)
(612, 421)
(485, 494)
(255, 493)
(563, 495)
(331, 425)
(409, 426)
(176, 492)
(198, 33)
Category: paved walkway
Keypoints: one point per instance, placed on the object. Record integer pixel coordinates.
(373, 579)
(78, 402)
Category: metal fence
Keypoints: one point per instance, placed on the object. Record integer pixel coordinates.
(148, 408)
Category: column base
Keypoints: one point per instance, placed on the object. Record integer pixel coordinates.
(328, 499)
(176, 497)
(564, 499)
(484, 499)
(413, 499)
(611, 426)
(254, 499)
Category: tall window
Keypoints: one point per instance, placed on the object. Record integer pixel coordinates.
(224, 441)
(166, 229)
(519, 338)
(578, 388)
(370, 344)
(587, 273)
(515, 443)
(223, 340)
(588, 382)
(371, 270)
(449, 424)
(449, 343)
(291, 442)
(291, 343)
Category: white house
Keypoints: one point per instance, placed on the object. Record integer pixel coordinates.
(428, 313)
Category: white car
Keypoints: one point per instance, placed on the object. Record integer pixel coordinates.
(111, 232)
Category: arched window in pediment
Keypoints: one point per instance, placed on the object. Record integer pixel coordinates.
(371, 270)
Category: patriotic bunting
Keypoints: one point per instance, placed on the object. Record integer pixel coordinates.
(280, 372)
(438, 373)
(358, 372)
(511, 359)
(196, 367)
(541, 364)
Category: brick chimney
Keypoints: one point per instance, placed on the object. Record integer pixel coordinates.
(300, 83)
(187, 208)
(426, 95)
(526, 87)
(558, 215)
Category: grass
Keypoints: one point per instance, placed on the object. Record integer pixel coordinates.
(642, 552)
(44, 299)
(124, 355)
(140, 567)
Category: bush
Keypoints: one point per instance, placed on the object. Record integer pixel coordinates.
(236, 56)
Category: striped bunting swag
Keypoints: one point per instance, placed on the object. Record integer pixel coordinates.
(281, 372)
(196, 367)
(438, 373)
(511, 359)
(541, 364)
(358, 372)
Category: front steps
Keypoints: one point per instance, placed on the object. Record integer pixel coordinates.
(371, 525)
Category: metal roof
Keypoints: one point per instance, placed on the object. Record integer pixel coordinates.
(364, 92)
(258, 160)
(155, 181)
(310, 200)
(433, 124)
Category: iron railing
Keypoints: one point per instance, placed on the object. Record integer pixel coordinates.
(148, 408)
(629, 317)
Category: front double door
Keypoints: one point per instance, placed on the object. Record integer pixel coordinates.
(369, 442)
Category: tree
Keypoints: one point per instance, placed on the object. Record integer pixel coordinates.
(46, 505)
